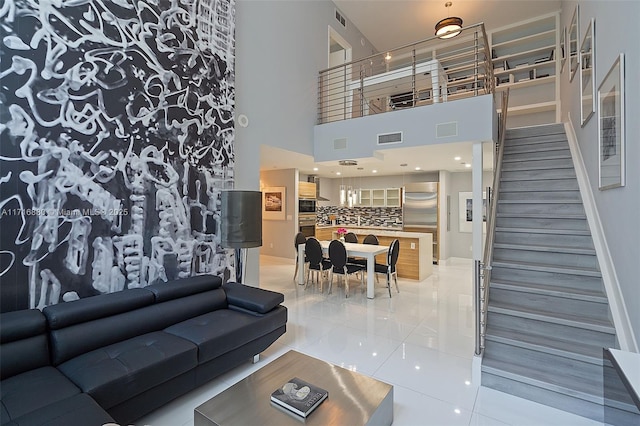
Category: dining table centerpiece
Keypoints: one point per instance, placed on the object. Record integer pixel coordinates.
(341, 233)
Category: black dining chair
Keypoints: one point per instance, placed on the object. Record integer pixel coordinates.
(390, 268)
(317, 261)
(299, 239)
(369, 239)
(350, 237)
(339, 265)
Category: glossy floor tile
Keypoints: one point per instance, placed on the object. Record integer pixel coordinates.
(420, 340)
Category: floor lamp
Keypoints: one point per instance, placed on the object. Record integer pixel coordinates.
(241, 225)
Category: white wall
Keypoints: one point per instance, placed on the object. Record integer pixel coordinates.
(616, 31)
(474, 118)
(278, 235)
(280, 47)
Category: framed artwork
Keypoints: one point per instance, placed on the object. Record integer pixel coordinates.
(574, 57)
(587, 74)
(274, 203)
(465, 211)
(611, 127)
(563, 48)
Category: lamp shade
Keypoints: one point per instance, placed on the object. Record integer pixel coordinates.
(448, 27)
(241, 219)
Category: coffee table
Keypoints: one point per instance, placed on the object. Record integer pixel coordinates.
(354, 399)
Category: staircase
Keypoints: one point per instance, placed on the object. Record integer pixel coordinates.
(548, 316)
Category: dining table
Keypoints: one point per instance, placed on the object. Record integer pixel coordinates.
(367, 251)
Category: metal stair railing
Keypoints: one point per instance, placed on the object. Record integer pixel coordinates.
(482, 270)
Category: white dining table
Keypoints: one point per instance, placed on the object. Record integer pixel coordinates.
(368, 251)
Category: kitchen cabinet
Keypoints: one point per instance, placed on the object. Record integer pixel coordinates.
(393, 197)
(365, 198)
(306, 190)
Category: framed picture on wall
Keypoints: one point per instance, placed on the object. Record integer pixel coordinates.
(563, 48)
(574, 55)
(465, 211)
(274, 203)
(587, 74)
(611, 127)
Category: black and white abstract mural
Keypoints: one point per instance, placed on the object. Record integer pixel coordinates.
(116, 140)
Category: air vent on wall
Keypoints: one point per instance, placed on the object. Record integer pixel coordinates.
(444, 130)
(341, 19)
(340, 143)
(389, 138)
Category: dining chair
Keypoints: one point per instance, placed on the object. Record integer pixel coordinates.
(390, 268)
(299, 239)
(369, 239)
(339, 265)
(350, 237)
(317, 261)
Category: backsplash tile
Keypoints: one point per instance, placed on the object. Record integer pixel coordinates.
(390, 217)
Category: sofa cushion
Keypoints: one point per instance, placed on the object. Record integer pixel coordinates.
(32, 390)
(24, 342)
(79, 409)
(184, 287)
(120, 371)
(95, 307)
(78, 339)
(252, 298)
(221, 331)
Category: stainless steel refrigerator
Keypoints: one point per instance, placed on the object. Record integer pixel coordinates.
(420, 210)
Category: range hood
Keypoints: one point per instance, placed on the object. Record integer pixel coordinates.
(315, 179)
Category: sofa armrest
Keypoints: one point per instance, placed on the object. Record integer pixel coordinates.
(252, 298)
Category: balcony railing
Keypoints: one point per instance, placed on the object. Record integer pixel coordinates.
(429, 71)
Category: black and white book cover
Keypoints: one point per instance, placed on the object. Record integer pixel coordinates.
(299, 396)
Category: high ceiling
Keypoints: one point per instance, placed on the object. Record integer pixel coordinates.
(388, 24)
(393, 23)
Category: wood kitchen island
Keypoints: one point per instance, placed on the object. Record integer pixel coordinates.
(415, 260)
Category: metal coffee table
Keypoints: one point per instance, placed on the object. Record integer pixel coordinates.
(354, 399)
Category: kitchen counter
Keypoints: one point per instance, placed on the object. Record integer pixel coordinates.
(415, 260)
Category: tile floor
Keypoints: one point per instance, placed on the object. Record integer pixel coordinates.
(421, 341)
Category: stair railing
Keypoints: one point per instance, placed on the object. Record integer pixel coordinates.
(482, 270)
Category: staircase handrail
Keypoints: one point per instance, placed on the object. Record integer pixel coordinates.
(483, 270)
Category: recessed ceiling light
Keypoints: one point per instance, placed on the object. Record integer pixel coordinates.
(417, 168)
(467, 165)
(338, 173)
(457, 158)
(374, 171)
(315, 169)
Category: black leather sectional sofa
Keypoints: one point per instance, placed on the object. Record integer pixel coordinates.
(118, 356)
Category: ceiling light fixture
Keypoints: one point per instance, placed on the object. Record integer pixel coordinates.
(457, 158)
(449, 26)
(387, 57)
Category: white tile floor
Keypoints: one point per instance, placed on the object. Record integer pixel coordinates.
(421, 341)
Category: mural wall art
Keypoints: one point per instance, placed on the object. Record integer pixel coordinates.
(116, 140)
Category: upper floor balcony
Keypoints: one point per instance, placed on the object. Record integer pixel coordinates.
(426, 72)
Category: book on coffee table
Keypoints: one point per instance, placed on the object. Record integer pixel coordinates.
(299, 396)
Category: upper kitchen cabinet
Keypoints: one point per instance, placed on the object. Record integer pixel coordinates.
(306, 190)
(392, 197)
(524, 59)
(381, 197)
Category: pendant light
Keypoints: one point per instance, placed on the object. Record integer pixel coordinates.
(449, 26)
